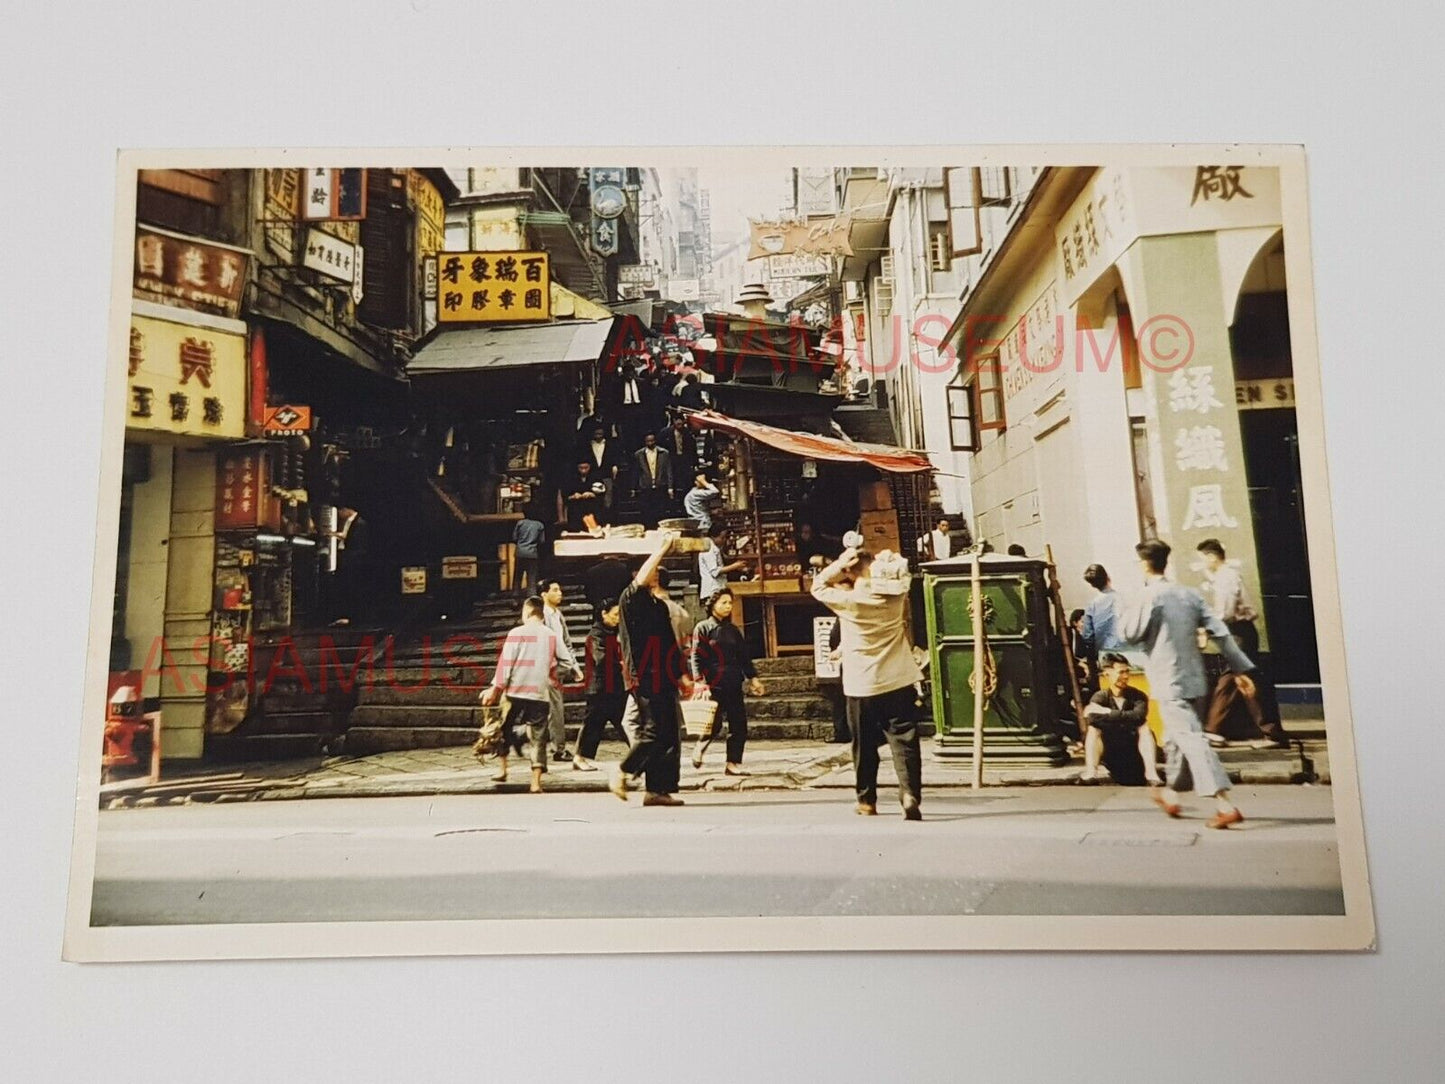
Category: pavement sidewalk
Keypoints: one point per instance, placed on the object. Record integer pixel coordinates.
(773, 765)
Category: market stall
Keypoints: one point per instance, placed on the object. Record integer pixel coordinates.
(789, 497)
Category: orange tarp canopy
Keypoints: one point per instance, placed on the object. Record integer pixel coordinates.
(810, 446)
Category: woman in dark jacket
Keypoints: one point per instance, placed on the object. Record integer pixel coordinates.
(606, 692)
(720, 659)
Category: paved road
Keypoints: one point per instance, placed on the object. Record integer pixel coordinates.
(1096, 850)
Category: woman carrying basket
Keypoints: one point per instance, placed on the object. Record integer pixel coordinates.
(721, 661)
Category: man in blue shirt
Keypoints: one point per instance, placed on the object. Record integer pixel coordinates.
(697, 502)
(1165, 620)
(712, 569)
(1098, 632)
(527, 537)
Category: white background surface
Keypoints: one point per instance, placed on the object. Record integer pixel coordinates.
(1359, 87)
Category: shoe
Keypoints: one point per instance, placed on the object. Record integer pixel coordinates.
(866, 809)
(1263, 743)
(582, 764)
(697, 759)
(561, 756)
(501, 776)
(1171, 809)
(1088, 775)
(1224, 820)
(735, 769)
(1216, 740)
(618, 784)
(911, 812)
(661, 799)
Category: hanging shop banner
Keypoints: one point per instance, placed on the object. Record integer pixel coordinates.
(331, 256)
(459, 568)
(173, 269)
(185, 379)
(824, 665)
(637, 274)
(243, 492)
(287, 421)
(413, 580)
(493, 287)
(336, 195)
(825, 237)
(817, 194)
(797, 265)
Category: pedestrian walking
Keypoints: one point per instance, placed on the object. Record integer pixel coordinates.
(552, 597)
(649, 659)
(526, 675)
(606, 692)
(870, 596)
(1232, 605)
(722, 664)
(527, 538)
(1165, 619)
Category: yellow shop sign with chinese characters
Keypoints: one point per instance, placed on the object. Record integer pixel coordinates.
(493, 287)
(185, 379)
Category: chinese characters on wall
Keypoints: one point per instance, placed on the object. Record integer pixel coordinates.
(1198, 448)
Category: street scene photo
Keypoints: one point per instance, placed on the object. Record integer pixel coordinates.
(746, 539)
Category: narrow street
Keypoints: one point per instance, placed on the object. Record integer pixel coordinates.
(1035, 850)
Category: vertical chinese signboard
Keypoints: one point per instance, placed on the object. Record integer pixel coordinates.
(243, 492)
(609, 200)
(430, 239)
(333, 195)
(493, 287)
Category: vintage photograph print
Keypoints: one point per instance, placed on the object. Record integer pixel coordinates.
(617, 550)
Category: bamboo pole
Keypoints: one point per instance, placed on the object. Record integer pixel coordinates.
(1065, 636)
(978, 674)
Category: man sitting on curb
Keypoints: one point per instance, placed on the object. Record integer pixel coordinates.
(1116, 715)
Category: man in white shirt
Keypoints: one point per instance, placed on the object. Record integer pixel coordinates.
(712, 572)
(1230, 602)
(553, 618)
(936, 545)
(870, 596)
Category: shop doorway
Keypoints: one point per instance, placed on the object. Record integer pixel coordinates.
(1264, 393)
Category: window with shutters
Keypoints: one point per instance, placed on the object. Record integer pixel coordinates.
(994, 186)
(961, 195)
(988, 395)
(386, 272)
(962, 437)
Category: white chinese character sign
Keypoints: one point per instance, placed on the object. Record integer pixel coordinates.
(493, 287)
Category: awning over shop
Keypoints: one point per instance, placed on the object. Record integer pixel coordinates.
(476, 349)
(809, 446)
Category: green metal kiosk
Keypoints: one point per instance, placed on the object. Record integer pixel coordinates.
(1022, 708)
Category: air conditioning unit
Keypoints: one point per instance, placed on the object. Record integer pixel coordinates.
(852, 291)
(885, 269)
